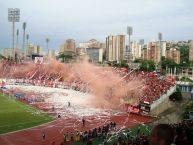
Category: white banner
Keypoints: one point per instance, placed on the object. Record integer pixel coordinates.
(39, 60)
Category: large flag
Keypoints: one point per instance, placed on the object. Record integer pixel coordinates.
(39, 60)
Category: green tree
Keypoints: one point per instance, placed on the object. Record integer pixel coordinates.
(187, 109)
(65, 57)
(169, 63)
(184, 56)
(147, 65)
(177, 96)
(2, 57)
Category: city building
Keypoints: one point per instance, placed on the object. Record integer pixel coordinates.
(163, 47)
(8, 52)
(115, 46)
(173, 54)
(93, 49)
(191, 50)
(51, 53)
(68, 48)
(92, 43)
(95, 54)
(151, 51)
(80, 51)
(33, 49)
(136, 50)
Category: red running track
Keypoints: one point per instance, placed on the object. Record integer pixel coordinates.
(54, 131)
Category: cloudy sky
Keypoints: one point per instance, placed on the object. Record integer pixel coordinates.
(86, 19)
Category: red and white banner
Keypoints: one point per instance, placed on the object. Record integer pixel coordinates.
(39, 60)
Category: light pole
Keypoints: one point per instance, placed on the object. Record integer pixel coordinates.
(17, 34)
(24, 50)
(47, 41)
(17, 43)
(27, 49)
(129, 32)
(13, 16)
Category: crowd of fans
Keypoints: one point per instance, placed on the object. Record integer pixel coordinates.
(161, 134)
(153, 85)
(88, 136)
(156, 86)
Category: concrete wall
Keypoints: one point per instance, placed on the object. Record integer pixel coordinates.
(162, 103)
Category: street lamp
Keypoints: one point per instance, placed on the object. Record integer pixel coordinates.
(13, 16)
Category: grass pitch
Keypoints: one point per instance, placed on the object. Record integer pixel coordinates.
(15, 115)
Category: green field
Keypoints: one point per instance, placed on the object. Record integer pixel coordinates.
(15, 115)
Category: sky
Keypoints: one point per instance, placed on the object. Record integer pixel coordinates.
(83, 20)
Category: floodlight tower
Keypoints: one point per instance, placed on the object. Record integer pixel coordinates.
(24, 49)
(160, 39)
(129, 32)
(47, 41)
(17, 34)
(17, 44)
(13, 16)
(27, 49)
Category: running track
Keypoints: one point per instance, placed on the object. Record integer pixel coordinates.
(54, 131)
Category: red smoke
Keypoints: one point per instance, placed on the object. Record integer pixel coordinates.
(107, 86)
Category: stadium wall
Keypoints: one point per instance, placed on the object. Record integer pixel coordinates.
(162, 103)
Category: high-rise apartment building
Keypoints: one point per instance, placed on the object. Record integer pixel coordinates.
(33, 49)
(93, 49)
(173, 54)
(191, 50)
(115, 46)
(8, 52)
(136, 50)
(68, 48)
(152, 51)
(51, 53)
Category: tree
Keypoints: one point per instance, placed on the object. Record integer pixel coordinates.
(147, 65)
(184, 56)
(187, 109)
(177, 96)
(65, 57)
(2, 57)
(169, 63)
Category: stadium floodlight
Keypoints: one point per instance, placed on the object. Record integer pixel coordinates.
(129, 32)
(159, 36)
(17, 42)
(27, 49)
(47, 41)
(141, 42)
(24, 49)
(13, 16)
